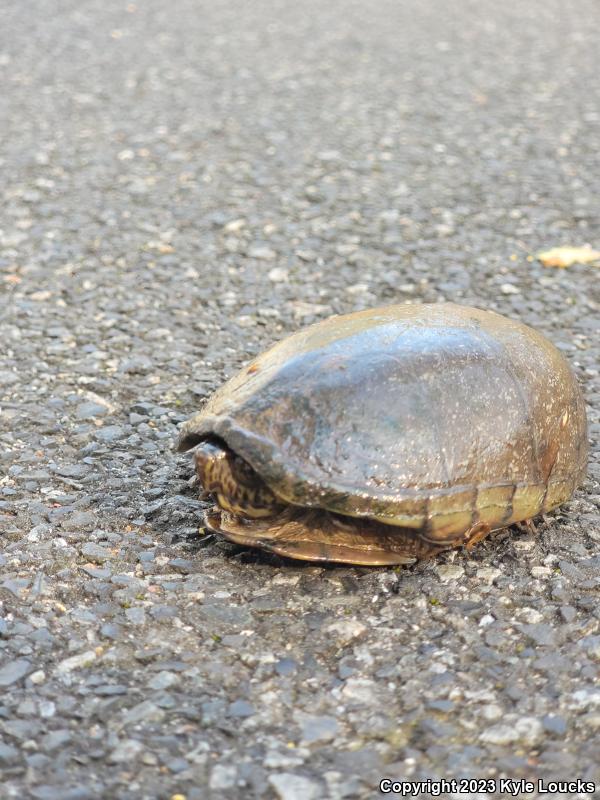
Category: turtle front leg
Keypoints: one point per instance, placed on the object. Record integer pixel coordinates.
(476, 534)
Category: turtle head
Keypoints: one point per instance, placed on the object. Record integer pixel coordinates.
(235, 485)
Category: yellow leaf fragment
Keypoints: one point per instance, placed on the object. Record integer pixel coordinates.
(565, 256)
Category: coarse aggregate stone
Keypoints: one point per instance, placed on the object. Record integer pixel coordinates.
(183, 184)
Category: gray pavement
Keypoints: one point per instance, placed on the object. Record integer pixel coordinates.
(183, 183)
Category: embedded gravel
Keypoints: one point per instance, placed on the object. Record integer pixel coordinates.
(184, 183)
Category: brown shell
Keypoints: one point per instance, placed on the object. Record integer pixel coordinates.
(434, 417)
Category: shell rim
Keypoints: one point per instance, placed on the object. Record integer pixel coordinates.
(266, 460)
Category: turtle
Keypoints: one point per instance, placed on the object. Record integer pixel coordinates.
(387, 435)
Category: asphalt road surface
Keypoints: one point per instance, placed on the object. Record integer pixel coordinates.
(184, 183)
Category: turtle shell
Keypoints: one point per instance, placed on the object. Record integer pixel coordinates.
(424, 416)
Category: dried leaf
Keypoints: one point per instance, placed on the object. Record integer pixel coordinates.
(565, 256)
(160, 247)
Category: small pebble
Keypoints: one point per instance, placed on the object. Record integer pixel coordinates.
(127, 751)
(449, 572)
(288, 786)
(12, 671)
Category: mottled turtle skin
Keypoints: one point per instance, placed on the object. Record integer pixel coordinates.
(390, 434)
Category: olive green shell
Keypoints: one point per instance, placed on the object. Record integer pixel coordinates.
(435, 417)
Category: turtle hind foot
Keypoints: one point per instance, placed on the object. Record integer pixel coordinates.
(527, 526)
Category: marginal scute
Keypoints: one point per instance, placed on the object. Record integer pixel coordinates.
(492, 503)
(558, 493)
(527, 501)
